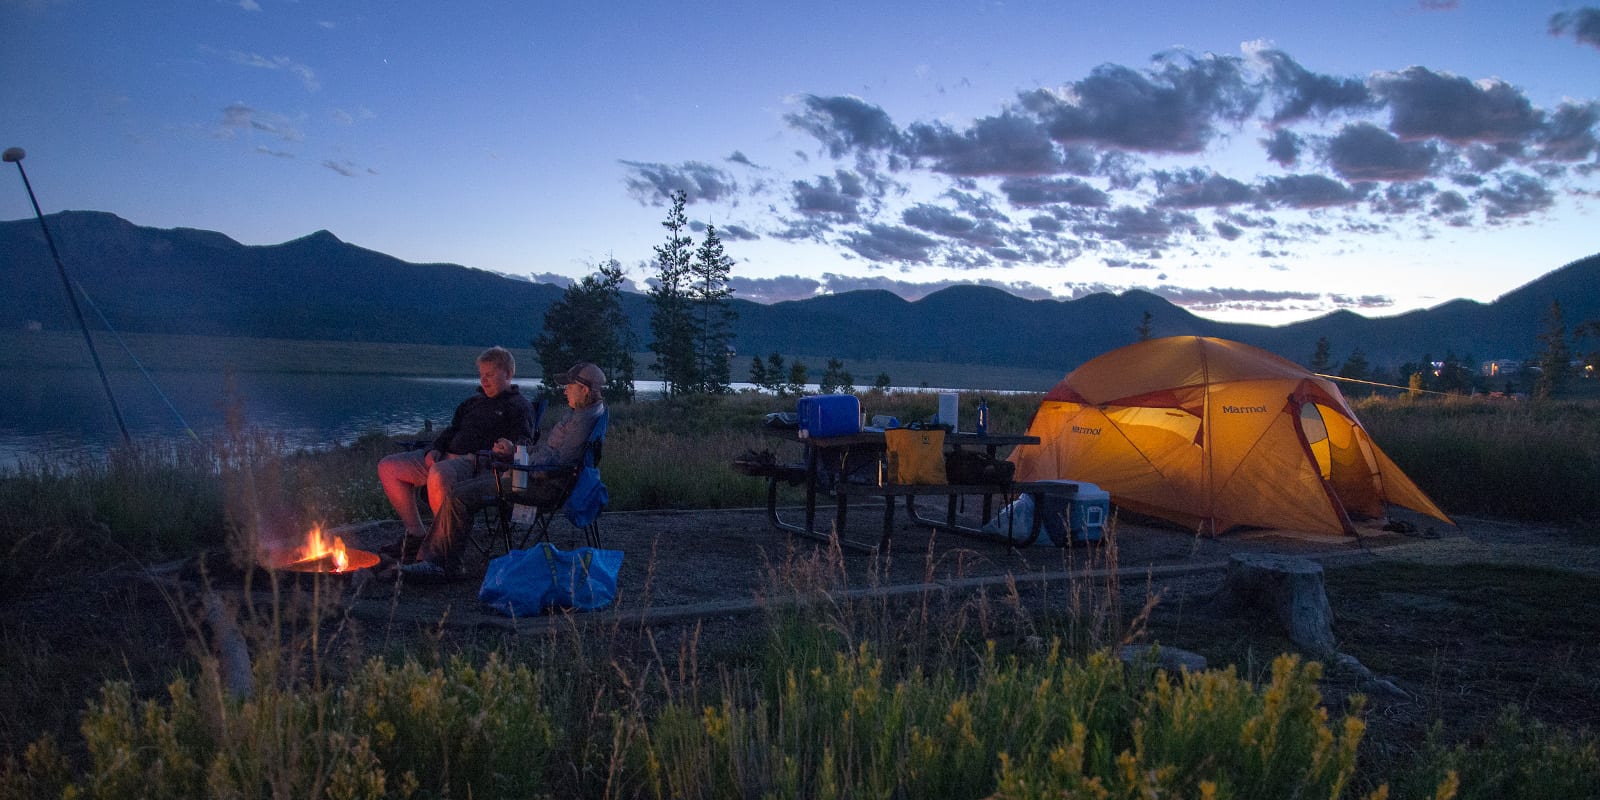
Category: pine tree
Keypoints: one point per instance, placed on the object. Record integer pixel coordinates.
(1144, 327)
(798, 378)
(713, 317)
(587, 323)
(758, 372)
(1355, 367)
(671, 325)
(1323, 355)
(835, 379)
(1555, 355)
(777, 375)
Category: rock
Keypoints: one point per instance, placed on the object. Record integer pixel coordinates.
(1289, 588)
(1168, 658)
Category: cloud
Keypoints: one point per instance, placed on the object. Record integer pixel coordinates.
(740, 158)
(1450, 202)
(1302, 93)
(1226, 231)
(1044, 223)
(1283, 147)
(1427, 104)
(878, 242)
(1172, 108)
(307, 76)
(652, 184)
(1308, 191)
(774, 290)
(737, 233)
(1584, 24)
(551, 278)
(1365, 152)
(1225, 299)
(1568, 134)
(1033, 192)
(1198, 188)
(240, 117)
(943, 222)
(267, 151)
(845, 124)
(1144, 228)
(1403, 198)
(1009, 144)
(1516, 195)
(837, 197)
(348, 169)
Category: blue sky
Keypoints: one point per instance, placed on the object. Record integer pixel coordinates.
(1262, 162)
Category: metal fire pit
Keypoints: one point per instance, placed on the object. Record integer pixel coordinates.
(358, 560)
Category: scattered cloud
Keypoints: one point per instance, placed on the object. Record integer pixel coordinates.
(1426, 104)
(651, 184)
(348, 169)
(1516, 195)
(1197, 188)
(893, 243)
(845, 124)
(1301, 93)
(1031, 192)
(1583, 23)
(305, 74)
(1175, 107)
(1308, 191)
(1364, 152)
(239, 117)
(774, 290)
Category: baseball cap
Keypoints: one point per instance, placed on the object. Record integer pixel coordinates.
(587, 374)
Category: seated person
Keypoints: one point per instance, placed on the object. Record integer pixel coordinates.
(497, 416)
(562, 446)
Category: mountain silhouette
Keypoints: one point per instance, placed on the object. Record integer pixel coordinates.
(317, 287)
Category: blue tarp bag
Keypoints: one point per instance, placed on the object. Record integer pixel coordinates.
(525, 583)
(588, 497)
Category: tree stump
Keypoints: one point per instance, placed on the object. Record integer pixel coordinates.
(1289, 588)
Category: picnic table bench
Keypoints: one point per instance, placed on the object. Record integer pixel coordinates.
(858, 452)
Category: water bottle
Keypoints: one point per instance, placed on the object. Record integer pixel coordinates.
(519, 478)
(983, 417)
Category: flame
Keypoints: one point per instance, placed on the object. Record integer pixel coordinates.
(318, 546)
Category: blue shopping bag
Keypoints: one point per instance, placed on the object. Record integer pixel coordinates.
(528, 582)
(588, 497)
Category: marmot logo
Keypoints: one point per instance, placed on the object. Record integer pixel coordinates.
(1244, 409)
(1089, 431)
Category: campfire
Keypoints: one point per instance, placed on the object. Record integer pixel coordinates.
(323, 553)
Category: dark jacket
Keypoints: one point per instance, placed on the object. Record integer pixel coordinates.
(482, 419)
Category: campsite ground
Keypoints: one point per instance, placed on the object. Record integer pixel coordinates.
(1493, 614)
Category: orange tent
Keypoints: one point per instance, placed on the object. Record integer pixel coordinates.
(1213, 434)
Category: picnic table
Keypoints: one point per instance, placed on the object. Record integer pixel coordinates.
(850, 465)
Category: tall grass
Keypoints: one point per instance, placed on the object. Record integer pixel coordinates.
(1535, 461)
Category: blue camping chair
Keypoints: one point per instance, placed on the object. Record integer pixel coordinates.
(581, 497)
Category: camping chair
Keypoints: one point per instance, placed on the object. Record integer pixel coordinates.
(483, 458)
(582, 508)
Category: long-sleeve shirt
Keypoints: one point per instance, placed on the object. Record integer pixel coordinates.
(563, 444)
(480, 420)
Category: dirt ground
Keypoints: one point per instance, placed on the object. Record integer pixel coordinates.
(683, 564)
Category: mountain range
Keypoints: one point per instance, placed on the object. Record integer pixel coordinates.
(188, 281)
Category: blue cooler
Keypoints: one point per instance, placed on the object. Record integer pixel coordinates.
(1083, 514)
(829, 415)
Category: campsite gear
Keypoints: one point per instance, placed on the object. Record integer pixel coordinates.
(884, 422)
(972, 467)
(1214, 434)
(983, 417)
(915, 456)
(949, 410)
(527, 582)
(14, 155)
(1013, 519)
(1076, 517)
(519, 479)
(829, 415)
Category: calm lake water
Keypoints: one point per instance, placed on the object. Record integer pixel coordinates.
(51, 413)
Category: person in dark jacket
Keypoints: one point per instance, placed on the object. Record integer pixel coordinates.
(562, 446)
(497, 417)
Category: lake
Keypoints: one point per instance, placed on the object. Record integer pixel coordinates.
(61, 412)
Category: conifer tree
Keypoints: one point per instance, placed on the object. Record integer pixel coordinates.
(1554, 356)
(1323, 356)
(587, 323)
(671, 325)
(1144, 327)
(713, 315)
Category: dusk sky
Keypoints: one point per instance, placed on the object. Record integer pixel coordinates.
(1265, 162)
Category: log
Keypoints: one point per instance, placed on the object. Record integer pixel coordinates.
(233, 655)
(1291, 590)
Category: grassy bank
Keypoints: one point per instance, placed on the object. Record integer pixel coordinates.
(935, 695)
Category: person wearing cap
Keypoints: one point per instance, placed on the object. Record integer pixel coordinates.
(497, 416)
(561, 446)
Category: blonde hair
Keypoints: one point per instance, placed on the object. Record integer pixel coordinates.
(500, 357)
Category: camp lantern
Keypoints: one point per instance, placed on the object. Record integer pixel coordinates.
(1214, 434)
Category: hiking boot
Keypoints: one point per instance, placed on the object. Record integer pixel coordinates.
(429, 572)
(403, 550)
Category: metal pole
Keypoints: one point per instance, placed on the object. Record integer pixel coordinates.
(15, 155)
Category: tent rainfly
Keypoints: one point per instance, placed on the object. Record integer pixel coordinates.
(1214, 434)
